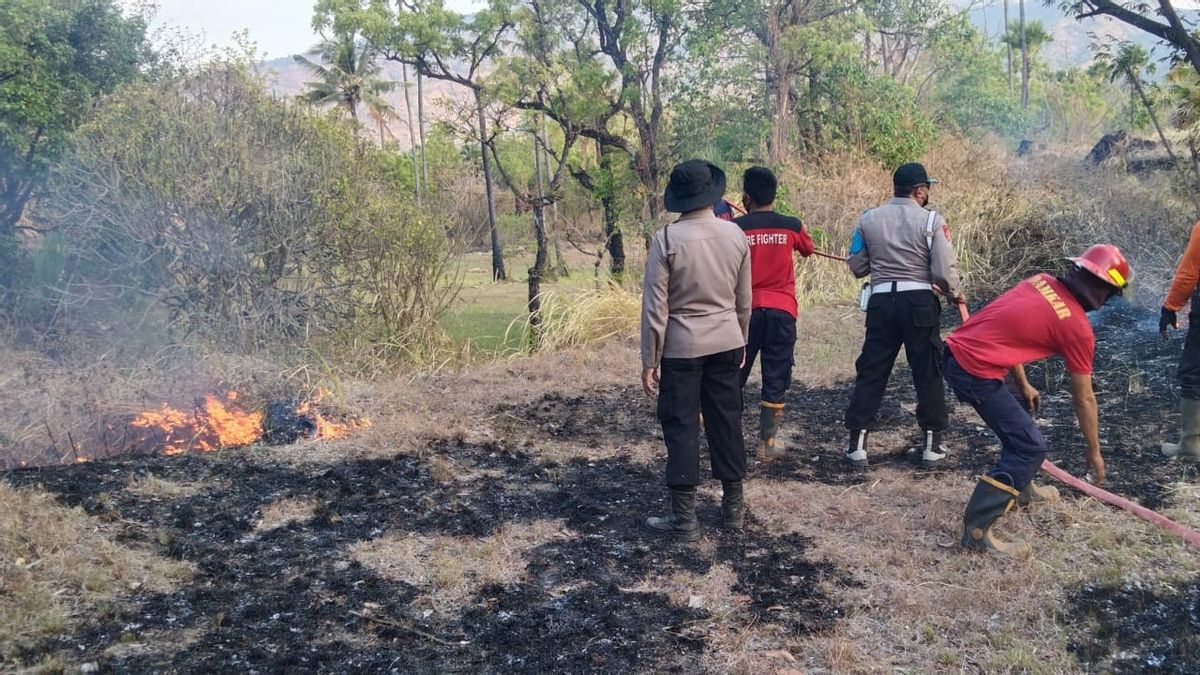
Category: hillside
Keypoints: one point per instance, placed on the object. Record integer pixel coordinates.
(287, 78)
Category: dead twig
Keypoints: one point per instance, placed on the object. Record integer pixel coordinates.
(411, 629)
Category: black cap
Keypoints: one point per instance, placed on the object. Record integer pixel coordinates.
(694, 184)
(911, 174)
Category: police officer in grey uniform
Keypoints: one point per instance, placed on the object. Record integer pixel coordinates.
(905, 249)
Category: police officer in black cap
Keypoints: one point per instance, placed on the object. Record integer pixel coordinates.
(905, 248)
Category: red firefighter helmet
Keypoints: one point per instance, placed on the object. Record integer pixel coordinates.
(1107, 263)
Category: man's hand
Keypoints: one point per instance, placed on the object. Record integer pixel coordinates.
(1167, 319)
(650, 382)
(1095, 462)
(1033, 398)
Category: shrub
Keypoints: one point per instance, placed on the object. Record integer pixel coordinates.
(250, 219)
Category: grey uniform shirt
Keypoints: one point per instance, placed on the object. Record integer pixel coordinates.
(696, 293)
(890, 244)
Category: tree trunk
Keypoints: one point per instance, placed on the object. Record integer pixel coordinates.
(412, 136)
(421, 129)
(498, 273)
(1024, 59)
(535, 274)
(776, 56)
(613, 239)
(1008, 43)
(1136, 81)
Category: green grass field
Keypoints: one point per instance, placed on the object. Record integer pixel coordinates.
(490, 318)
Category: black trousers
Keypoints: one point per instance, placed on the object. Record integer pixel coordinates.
(773, 335)
(1189, 361)
(712, 385)
(908, 319)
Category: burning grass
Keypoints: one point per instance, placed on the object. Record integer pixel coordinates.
(59, 569)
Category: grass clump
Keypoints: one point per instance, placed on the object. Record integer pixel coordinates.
(56, 566)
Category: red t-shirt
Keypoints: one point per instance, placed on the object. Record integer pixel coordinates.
(1037, 318)
(772, 238)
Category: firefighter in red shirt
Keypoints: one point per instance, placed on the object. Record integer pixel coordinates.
(1039, 317)
(773, 237)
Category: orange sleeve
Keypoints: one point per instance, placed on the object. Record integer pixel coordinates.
(1186, 275)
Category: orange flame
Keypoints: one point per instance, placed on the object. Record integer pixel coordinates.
(219, 423)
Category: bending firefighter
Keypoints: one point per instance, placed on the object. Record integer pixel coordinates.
(1183, 288)
(906, 250)
(772, 238)
(1039, 317)
(695, 314)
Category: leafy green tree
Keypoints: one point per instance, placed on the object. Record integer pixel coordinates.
(1029, 37)
(57, 59)
(347, 77)
(439, 44)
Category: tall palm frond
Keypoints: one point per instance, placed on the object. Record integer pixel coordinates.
(346, 75)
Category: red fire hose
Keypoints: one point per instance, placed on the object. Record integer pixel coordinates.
(1189, 535)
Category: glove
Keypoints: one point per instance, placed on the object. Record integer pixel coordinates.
(1167, 319)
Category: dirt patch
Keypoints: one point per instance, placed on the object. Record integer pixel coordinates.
(1137, 627)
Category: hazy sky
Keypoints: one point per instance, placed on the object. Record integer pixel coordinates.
(280, 27)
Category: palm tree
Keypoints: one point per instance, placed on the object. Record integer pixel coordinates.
(1128, 64)
(1029, 38)
(347, 76)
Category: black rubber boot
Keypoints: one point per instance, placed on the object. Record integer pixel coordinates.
(769, 419)
(856, 452)
(681, 523)
(990, 500)
(733, 504)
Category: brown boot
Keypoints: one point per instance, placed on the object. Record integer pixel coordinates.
(770, 417)
(681, 523)
(1034, 493)
(733, 504)
(990, 500)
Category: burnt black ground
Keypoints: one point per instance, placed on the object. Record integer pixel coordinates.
(289, 599)
(1133, 628)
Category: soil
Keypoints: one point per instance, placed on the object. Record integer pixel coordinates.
(293, 598)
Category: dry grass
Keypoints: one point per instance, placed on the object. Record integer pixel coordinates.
(283, 512)
(937, 604)
(1145, 215)
(153, 487)
(451, 569)
(56, 565)
(997, 225)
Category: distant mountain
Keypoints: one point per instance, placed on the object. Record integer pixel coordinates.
(287, 78)
(1072, 39)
